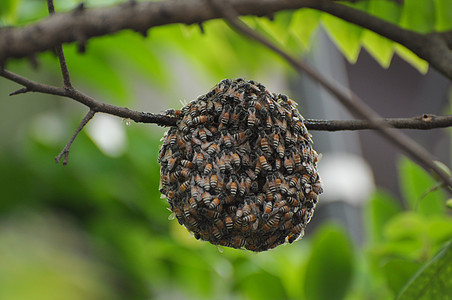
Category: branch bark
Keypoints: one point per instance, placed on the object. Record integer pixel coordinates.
(81, 24)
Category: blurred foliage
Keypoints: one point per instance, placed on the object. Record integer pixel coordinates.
(98, 229)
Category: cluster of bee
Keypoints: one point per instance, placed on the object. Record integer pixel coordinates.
(239, 169)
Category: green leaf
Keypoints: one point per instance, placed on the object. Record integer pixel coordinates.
(418, 15)
(378, 211)
(8, 10)
(398, 272)
(346, 36)
(304, 23)
(433, 281)
(414, 183)
(277, 28)
(330, 266)
(443, 15)
(379, 47)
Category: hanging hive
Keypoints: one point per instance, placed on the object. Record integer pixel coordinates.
(239, 169)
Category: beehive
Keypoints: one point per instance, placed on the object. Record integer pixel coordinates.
(239, 169)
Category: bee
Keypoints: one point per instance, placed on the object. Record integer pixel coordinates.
(186, 163)
(216, 232)
(235, 160)
(227, 161)
(229, 223)
(305, 179)
(251, 174)
(260, 198)
(288, 164)
(218, 107)
(271, 222)
(284, 188)
(265, 147)
(195, 192)
(269, 100)
(221, 165)
(284, 209)
(187, 211)
(171, 163)
(206, 198)
(220, 224)
(224, 119)
(200, 119)
(297, 160)
(226, 139)
(280, 150)
(213, 181)
(211, 213)
(233, 188)
(238, 242)
(193, 204)
(277, 197)
(298, 125)
(258, 169)
(191, 221)
(202, 134)
(242, 186)
(212, 149)
(208, 168)
(277, 164)
(268, 207)
(184, 186)
(288, 215)
(295, 233)
(252, 120)
(269, 123)
(294, 181)
(246, 209)
(292, 201)
(214, 203)
(264, 163)
(268, 196)
(275, 140)
(286, 225)
(240, 137)
(317, 187)
(199, 160)
(202, 107)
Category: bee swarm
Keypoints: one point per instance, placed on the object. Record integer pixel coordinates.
(239, 169)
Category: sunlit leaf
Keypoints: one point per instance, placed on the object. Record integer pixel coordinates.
(346, 36)
(418, 15)
(443, 14)
(303, 25)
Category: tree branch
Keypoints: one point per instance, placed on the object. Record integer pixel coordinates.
(81, 24)
(97, 106)
(350, 100)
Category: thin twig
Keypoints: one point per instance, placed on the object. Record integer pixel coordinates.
(351, 101)
(60, 53)
(65, 152)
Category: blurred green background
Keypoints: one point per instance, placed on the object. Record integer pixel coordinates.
(98, 228)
